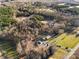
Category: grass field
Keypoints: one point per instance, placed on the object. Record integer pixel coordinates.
(65, 40)
(59, 54)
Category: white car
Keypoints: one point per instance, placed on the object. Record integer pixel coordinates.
(43, 43)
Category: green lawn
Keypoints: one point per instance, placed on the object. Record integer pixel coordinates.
(59, 54)
(63, 40)
(66, 40)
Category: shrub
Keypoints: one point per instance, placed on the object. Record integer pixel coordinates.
(37, 18)
(6, 16)
(6, 20)
(6, 11)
